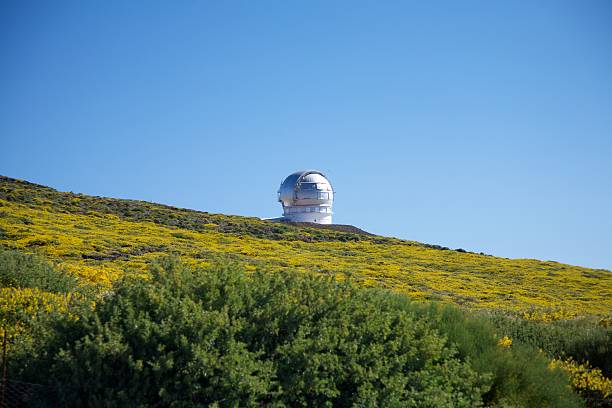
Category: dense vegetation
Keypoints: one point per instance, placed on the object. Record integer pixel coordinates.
(98, 239)
(582, 339)
(514, 315)
(194, 337)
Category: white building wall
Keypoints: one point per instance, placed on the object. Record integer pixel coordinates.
(319, 218)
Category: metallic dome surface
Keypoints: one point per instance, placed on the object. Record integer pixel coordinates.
(307, 196)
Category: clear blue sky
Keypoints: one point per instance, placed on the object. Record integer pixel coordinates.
(485, 125)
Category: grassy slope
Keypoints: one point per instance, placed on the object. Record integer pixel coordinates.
(99, 239)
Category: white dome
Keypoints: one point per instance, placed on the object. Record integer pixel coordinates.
(307, 196)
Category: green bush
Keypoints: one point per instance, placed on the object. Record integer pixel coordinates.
(582, 339)
(219, 336)
(520, 374)
(22, 270)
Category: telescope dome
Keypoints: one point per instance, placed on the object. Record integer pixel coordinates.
(307, 196)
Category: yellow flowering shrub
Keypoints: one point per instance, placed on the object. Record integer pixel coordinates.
(550, 315)
(100, 239)
(19, 305)
(505, 342)
(584, 378)
(100, 249)
(103, 275)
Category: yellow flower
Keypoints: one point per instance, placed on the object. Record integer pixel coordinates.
(505, 342)
(583, 377)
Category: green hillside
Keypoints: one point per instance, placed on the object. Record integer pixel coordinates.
(97, 243)
(84, 235)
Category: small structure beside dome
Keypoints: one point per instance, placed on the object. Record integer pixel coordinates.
(306, 196)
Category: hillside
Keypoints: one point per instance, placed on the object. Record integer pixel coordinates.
(130, 302)
(100, 239)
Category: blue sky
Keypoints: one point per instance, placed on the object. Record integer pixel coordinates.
(475, 124)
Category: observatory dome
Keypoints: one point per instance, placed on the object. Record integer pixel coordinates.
(307, 196)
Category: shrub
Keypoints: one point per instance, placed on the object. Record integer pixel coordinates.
(520, 375)
(22, 270)
(194, 337)
(587, 381)
(581, 339)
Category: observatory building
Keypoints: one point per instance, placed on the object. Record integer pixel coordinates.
(306, 196)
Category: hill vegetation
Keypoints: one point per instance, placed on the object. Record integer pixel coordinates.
(86, 235)
(219, 335)
(97, 267)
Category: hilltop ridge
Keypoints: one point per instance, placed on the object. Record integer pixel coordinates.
(85, 234)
